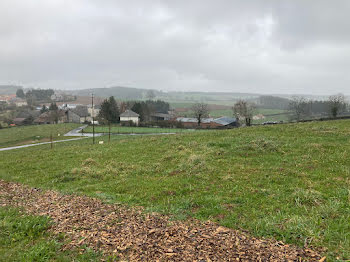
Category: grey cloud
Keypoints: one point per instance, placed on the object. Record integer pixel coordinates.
(258, 46)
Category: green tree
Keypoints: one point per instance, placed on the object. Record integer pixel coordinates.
(114, 110)
(53, 107)
(143, 110)
(30, 98)
(20, 93)
(44, 109)
(54, 114)
(109, 110)
(104, 111)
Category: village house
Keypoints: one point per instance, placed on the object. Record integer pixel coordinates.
(7, 98)
(18, 121)
(79, 114)
(129, 116)
(52, 117)
(18, 102)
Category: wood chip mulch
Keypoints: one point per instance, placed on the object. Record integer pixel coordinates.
(133, 235)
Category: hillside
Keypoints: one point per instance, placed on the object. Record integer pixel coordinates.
(16, 136)
(9, 89)
(289, 182)
(119, 92)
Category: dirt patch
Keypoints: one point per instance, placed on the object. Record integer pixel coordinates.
(133, 235)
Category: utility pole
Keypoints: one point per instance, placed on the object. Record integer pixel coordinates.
(109, 131)
(93, 118)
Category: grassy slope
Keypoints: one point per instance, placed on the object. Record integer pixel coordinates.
(30, 134)
(25, 238)
(291, 181)
(136, 130)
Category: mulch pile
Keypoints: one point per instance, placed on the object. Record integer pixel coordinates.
(135, 236)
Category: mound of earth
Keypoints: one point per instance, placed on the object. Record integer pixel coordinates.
(131, 234)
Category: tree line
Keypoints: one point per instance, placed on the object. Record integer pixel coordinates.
(302, 108)
(110, 110)
(35, 95)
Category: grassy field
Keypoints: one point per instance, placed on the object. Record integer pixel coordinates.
(31, 134)
(134, 130)
(290, 182)
(26, 238)
(228, 112)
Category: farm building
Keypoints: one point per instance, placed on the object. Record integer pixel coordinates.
(161, 117)
(220, 122)
(128, 116)
(226, 122)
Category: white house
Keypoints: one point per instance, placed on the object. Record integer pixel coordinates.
(128, 116)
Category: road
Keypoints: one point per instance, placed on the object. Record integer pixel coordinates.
(74, 132)
(37, 144)
(77, 132)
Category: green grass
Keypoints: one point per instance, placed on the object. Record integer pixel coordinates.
(290, 182)
(30, 134)
(134, 130)
(26, 238)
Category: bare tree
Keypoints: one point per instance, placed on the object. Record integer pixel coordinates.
(336, 104)
(150, 95)
(200, 110)
(244, 109)
(298, 106)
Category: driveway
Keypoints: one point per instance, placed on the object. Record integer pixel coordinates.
(77, 132)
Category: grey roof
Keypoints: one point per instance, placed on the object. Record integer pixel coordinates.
(193, 120)
(129, 113)
(81, 111)
(225, 120)
(221, 120)
(19, 119)
(162, 115)
(26, 114)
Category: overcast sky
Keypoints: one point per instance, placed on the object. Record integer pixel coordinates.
(290, 47)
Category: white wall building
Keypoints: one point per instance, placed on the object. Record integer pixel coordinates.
(128, 116)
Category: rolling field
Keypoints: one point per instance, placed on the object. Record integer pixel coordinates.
(31, 134)
(290, 182)
(268, 113)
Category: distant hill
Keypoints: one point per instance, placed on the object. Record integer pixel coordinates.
(9, 89)
(129, 93)
(119, 92)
